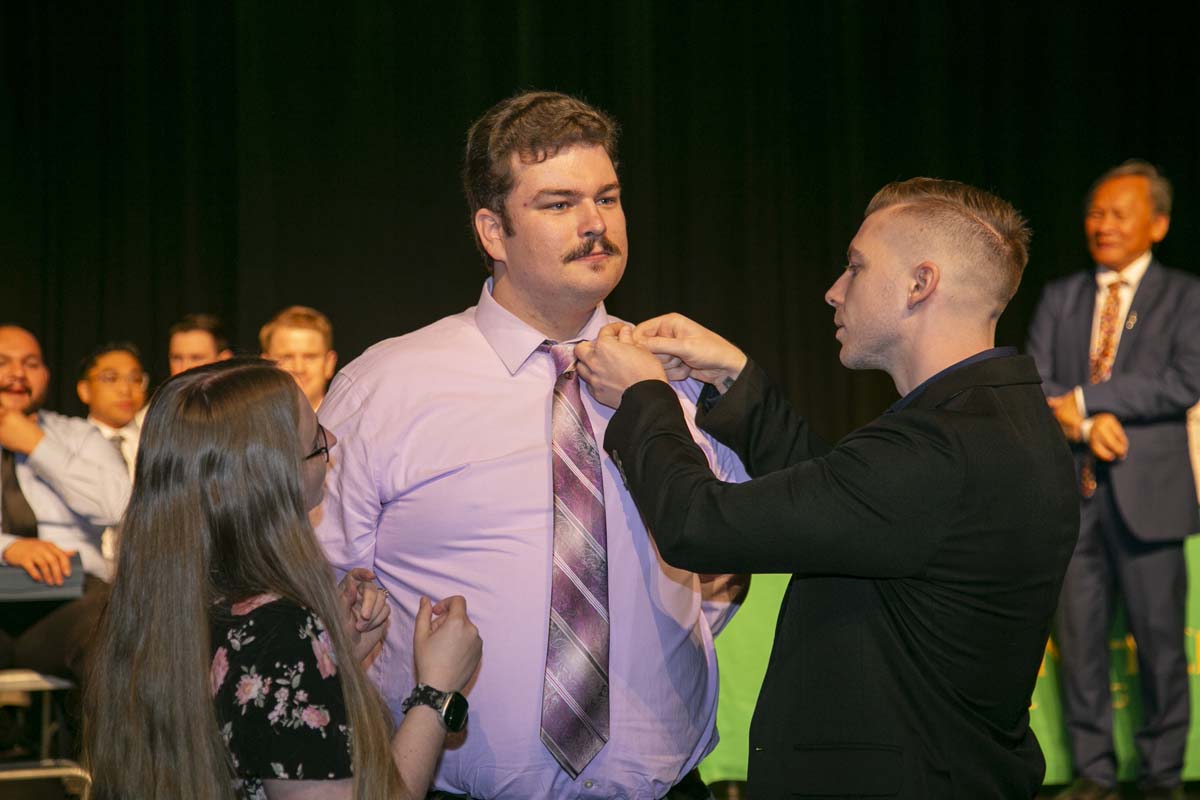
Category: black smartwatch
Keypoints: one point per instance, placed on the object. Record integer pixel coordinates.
(451, 706)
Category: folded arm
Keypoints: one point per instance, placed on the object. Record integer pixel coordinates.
(1161, 393)
(88, 474)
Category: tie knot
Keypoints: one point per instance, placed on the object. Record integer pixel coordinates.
(563, 355)
(1113, 283)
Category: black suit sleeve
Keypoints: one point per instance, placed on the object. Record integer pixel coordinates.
(754, 420)
(874, 506)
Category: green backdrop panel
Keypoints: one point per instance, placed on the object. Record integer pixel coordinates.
(742, 651)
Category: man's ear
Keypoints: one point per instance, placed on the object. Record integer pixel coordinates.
(85, 392)
(1158, 227)
(330, 365)
(924, 280)
(490, 230)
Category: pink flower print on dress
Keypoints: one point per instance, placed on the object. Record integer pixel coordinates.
(315, 717)
(281, 704)
(322, 649)
(218, 670)
(251, 689)
(250, 603)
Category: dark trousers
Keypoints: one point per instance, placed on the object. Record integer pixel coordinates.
(1151, 579)
(52, 636)
(690, 787)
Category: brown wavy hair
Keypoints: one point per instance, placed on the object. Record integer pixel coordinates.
(217, 515)
(534, 126)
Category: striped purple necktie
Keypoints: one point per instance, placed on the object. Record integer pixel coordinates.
(575, 693)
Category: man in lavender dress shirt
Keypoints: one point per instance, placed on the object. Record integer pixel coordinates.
(444, 481)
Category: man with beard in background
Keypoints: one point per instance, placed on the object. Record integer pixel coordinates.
(61, 485)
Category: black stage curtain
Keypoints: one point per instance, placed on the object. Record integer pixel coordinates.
(158, 158)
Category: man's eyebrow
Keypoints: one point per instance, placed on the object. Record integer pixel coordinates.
(545, 194)
(573, 194)
(851, 253)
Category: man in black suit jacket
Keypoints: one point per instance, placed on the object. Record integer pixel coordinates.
(928, 547)
(1118, 348)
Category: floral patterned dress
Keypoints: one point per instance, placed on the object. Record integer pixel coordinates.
(277, 694)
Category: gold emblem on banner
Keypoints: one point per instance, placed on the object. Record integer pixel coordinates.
(1193, 636)
(1120, 695)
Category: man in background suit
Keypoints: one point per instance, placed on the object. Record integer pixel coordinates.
(927, 547)
(196, 339)
(1118, 348)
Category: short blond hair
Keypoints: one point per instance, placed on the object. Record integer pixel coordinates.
(988, 232)
(301, 317)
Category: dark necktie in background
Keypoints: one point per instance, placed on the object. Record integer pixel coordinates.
(17, 515)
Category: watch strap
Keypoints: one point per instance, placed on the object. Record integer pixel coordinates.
(450, 706)
(423, 695)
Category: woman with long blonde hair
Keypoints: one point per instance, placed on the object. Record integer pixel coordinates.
(229, 664)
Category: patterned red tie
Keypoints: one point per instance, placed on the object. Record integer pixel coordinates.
(575, 692)
(1100, 369)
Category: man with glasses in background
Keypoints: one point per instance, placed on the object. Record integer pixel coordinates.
(112, 384)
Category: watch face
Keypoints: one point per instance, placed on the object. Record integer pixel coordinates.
(454, 713)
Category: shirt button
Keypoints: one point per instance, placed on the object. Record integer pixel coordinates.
(588, 784)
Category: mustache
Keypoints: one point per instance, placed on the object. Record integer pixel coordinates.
(607, 246)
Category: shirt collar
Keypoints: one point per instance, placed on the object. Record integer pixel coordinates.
(983, 355)
(1132, 274)
(514, 340)
(109, 431)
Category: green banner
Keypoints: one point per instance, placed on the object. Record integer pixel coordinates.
(745, 644)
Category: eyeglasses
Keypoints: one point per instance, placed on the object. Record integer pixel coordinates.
(110, 378)
(322, 444)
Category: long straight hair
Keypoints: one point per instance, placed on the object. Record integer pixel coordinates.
(217, 515)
